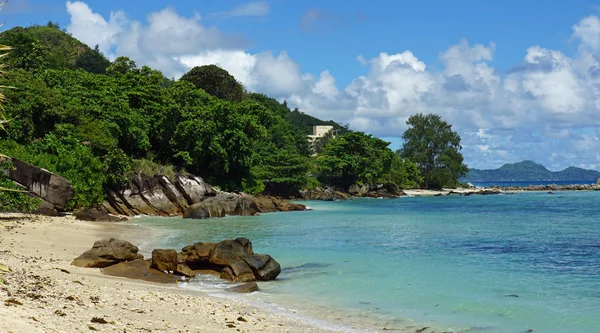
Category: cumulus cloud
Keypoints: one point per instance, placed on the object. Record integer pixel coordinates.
(158, 42)
(545, 108)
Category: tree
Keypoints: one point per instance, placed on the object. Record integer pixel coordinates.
(215, 81)
(404, 173)
(431, 143)
(354, 158)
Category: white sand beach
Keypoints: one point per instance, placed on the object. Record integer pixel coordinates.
(44, 293)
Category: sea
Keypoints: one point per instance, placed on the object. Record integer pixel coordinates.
(523, 262)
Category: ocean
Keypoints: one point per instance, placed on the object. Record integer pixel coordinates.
(499, 263)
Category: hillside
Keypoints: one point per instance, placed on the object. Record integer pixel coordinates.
(530, 171)
(38, 47)
(98, 123)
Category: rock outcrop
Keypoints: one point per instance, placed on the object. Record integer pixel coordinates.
(232, 259)
(107, 252)
(55, 191)
(185, 195)
(221, 205)
(273, 204)
(157, 195)
(384, 190)
(325, 194)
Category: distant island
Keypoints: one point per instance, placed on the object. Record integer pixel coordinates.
(530, 171)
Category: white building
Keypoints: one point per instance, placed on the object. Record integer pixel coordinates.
(319, 132)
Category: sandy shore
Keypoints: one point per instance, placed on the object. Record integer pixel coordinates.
(445, 191)
(44, 293)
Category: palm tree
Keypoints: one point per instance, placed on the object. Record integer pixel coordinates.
(4, 51)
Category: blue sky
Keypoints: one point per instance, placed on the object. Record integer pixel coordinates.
(517, 79)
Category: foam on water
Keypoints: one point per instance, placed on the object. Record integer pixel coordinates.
(460, 264)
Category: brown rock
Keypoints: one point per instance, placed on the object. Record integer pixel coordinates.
(185, 270)
(247, 287)
(164, 260)
(108, 252)
(140, 270)
(94, 214)
(197, 254)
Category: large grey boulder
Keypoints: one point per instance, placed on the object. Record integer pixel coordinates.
(221, 205)
(157, 195)
(48, 186)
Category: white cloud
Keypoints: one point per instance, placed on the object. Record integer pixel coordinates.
(544, 109)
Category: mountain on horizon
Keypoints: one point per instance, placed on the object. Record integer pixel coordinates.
(525, 171)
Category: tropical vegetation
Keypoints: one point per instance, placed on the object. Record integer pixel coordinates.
(97, 122)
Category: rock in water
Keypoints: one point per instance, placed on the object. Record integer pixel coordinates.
(231, 250)
(221, 205)
(264, 266)
(107, 252)
(245, 288)
(238, 271)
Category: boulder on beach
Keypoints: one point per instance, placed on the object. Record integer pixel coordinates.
(56, 191)
(107, 252)
(94, 214)
(140, 269)
(231, 259)
(164, 260)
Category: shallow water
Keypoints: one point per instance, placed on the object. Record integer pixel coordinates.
(503, 263)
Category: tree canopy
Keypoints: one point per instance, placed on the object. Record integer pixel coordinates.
(354, 158)
(431, 143)
(216, 81)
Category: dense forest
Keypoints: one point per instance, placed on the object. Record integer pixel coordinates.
(97, 122)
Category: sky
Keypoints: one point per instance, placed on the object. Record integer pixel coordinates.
(516, 79)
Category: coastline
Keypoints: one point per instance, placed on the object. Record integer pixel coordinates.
(44, 292)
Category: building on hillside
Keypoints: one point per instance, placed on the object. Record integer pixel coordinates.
(319, 131)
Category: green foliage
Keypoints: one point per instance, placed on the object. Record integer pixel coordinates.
(435, 148)
(38, 47)
(151, 168)
(354, 158)
(218, 138)
(215, 81)
(69, 158)
(404, 173)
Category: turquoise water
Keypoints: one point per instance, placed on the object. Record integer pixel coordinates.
(456, 264)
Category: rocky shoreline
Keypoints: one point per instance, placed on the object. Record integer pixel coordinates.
(231, 259)
(551, 187)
